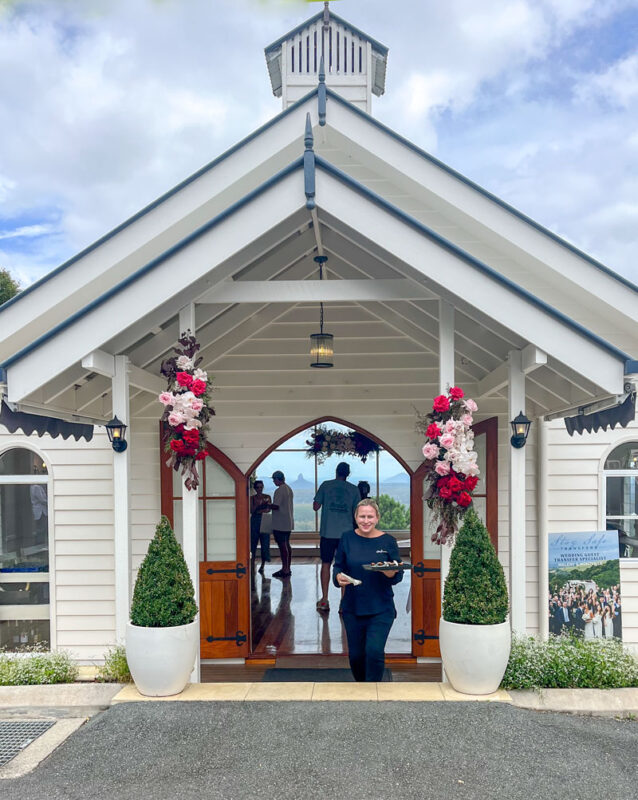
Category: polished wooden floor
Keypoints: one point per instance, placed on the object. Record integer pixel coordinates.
(285, 620)
(288, 631)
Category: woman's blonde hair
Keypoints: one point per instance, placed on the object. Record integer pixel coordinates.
(368, 501)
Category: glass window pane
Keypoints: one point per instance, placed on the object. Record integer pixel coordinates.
(18, 635)
(178, 482)
(627, 536)
(625, 456)
(430, 550)
(221, 530)
(20, 461)
(621, 496)
(23, 594)
(480, 445)
(394, 488)
(24, 528)
(218, 481)
(178, 527)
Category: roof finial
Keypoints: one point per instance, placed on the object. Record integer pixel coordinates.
(308, 137)
(322, 70)
(326, 14)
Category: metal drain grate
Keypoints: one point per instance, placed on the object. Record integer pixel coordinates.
(15, 736)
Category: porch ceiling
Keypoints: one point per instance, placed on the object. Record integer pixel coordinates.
(386, 350)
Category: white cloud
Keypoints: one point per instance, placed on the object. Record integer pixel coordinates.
(618, 84)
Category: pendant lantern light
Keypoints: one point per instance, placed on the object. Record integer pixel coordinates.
(321, 344)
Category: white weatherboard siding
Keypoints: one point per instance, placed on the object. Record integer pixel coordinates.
(575, 499)
(82, 562)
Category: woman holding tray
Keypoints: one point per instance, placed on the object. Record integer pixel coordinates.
(368, 607)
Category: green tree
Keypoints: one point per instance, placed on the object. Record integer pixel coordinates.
(163, 595)
(394, 515)
(8, 286)
(475, 589)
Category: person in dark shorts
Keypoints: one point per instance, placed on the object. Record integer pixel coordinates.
(282, 521)
(368, 609)
(337, 500)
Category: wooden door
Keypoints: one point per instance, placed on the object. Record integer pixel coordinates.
(224, 574)
(426, 575)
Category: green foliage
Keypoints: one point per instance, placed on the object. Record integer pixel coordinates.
(115, 669)
(606, 574)
(36, 666)
(569, 661)
(475, 589)
(394, 515)
(8, 286)
(163, 595)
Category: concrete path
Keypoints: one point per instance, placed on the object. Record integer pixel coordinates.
(380, 749)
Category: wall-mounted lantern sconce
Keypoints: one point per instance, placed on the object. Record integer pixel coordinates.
(520, 429)
(116, 431)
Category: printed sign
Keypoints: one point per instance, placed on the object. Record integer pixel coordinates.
(584, 584)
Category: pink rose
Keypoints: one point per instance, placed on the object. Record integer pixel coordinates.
(430, 450)
(470, 405)
(197, 405)
(167, 399)
(449, 426)
(467, 419)
(447, 440)
(176, 418)
(442, 468)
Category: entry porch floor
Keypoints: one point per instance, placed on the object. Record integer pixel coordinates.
(288, 632)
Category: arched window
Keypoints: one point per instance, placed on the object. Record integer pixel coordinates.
(620, 479)
(24, 550)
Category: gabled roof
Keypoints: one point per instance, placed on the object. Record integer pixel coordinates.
(380, 48)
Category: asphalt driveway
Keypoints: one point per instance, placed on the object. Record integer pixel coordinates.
(315, 750)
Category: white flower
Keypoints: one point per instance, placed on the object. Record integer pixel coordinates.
(184, 362)
(200, 375)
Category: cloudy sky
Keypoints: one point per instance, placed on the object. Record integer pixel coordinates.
(105, 104)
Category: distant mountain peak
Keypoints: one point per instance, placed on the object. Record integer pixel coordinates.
(301, 483)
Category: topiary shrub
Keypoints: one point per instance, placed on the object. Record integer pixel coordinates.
(475, 589)
(163, 595)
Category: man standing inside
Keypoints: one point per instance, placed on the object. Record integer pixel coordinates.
(282, 521)
(337, 500)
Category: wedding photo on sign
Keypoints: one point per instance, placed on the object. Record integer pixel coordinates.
(584, 584)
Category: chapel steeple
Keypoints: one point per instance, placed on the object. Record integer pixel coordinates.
(354, 63)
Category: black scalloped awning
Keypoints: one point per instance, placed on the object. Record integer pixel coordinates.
(34, 423)
(622, 415)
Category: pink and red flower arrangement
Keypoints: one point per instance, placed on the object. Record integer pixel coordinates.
(452, 469)
(187, 409)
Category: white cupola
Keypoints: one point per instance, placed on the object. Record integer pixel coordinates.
(354, 64)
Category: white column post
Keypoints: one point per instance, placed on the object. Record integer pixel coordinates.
(516, 404)
(190, 499)
(121, 500)
(446, 379)
(543, 536)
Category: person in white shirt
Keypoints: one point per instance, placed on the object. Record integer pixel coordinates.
(282, 521)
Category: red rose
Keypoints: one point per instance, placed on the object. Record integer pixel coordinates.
(445, 493)
(456, 393)
(200, 456)
(433, 431)
(464, 500)
(177, 446)
(190, 451)
(198, 388)
(443, 481)
(184, 379)
(441, 403)
(191, 436)
(470, 483)
(455, 484)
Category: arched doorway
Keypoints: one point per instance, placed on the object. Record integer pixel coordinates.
(225, 588)
(285, 619)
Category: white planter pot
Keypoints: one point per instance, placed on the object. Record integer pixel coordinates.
(161, 659)
(475, 656)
